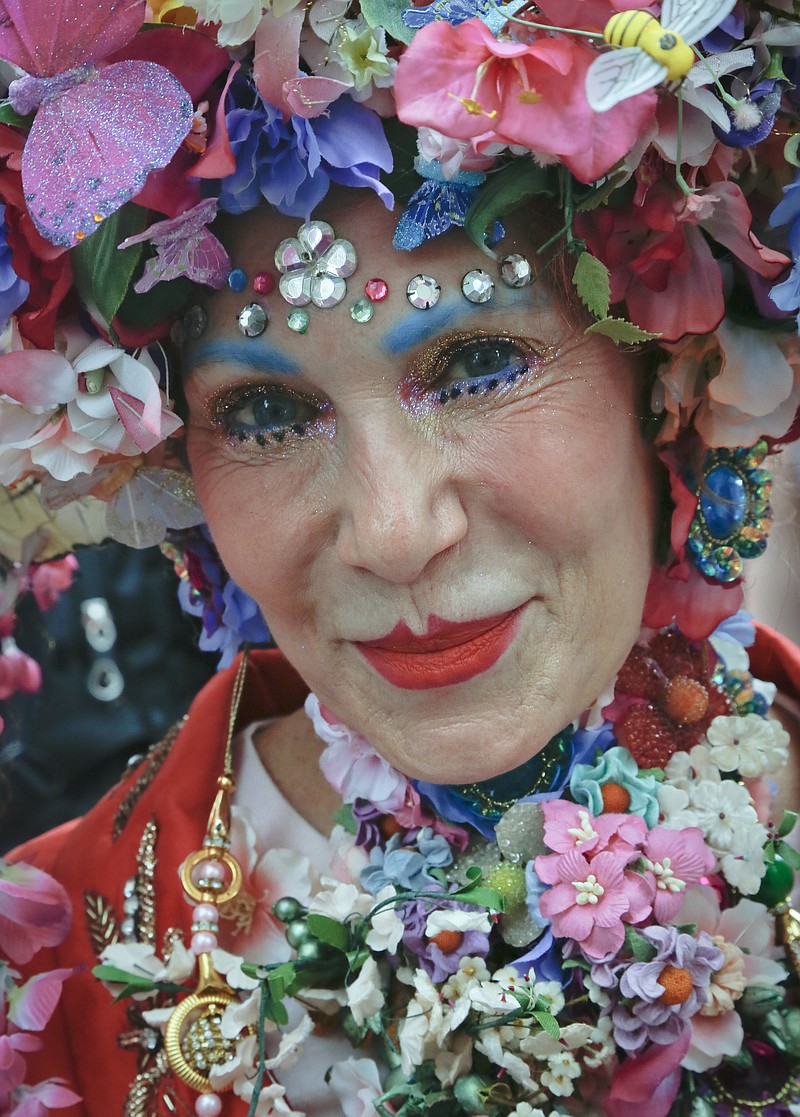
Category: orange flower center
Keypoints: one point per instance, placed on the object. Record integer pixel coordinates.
(677, 984)
(389, 826)
(616, 798)
(448, 941)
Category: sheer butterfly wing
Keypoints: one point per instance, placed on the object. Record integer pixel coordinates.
(155, 500)
(200, 257)
(619, 74)
(692, 19)
(90, 150)
(47, 37)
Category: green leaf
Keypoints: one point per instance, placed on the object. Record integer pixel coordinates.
(505, 191)
(620, 331)
(159, 303)
(601, 195)
(121, 977)
(344, 818)
(387, 14)
(637, 944)
(328, 930)
(591, 279)
(769, 853)
(548, 1023)
(788, 823)
(789, 854)
(9, 116)
(790, 150)
(481, 896)
(102, 273)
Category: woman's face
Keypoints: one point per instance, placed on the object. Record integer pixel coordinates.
(446, 516)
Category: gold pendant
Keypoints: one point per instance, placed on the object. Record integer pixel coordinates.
(787, 933)
(194, 1041)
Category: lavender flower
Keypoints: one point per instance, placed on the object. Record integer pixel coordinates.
(293, 163)
(437, 962)
(13, 290)
(662, 995)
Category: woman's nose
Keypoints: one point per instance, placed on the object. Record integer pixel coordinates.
(400, 507)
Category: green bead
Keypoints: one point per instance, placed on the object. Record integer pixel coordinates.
(777, 883)
(298, 933)
(311, 950)
(286, 909)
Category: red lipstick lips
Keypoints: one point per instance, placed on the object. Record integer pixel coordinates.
(447, 654)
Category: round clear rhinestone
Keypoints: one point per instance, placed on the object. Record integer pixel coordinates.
(477, 286)
(423, 292)
(252, 320)
(362, 310)
(516, 270)
(195, 321)
(297, 320)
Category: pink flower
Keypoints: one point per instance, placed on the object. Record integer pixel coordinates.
(353, 768)
(676, 858)
(18, 672)
(35, 1101)
(590, 899)
(34, 911)
(49, 580)
(661, 264)
(570, 826)
(469, 85)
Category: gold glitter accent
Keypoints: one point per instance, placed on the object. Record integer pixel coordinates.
(744, 1107)
(101, 922)
(80, 235)
(142, 1100)
(172, 935)
(145, 888)
(240, 912)
(98, 217)
(149, 770)
(490, 807)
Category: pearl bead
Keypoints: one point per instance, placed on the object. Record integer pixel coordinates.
(205, 913)
(203, 942)
(208, 1105)
(209, 870)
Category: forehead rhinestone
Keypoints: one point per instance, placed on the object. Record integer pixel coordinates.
(362, 310)
(516, 270)
(237, 279)
(297, 320)
(423, 292)
(376, 290)
(314, 266)
(477, 286)
(263, 283)
(252, 320)
(195, 321)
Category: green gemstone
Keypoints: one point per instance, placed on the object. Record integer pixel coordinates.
(777, 883)
(286, 909)
(297, 320)
(362, 310)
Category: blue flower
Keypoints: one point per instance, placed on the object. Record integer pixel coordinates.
(406, 868)
(616, 766)
(786, 295)
(752, 119)
(13, 290)
(292, 163)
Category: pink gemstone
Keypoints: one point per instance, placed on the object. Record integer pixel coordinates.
(205, 913)
(208, 1105)
(203, 942)
(263, 283)
(376, 290)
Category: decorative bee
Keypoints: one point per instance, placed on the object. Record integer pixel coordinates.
(649, 51)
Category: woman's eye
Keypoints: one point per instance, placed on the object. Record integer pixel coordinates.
(476, 367)
(265, 413)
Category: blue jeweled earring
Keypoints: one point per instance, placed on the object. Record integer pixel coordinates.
(733, 513)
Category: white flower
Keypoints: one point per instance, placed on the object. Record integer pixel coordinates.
(491, 1043)
(455, 1061)
(752, 745)
(362, 51)
(673, 807)
(386, 928)
(492, 996)
(745, 870)
(725, 813)
(365, 995)
(239, 18)
(140, 961)
(356, 1084)
(471, 971)
(561, 1070)
(339, 901)
(453, 920)
(686, 768)
(230, 966)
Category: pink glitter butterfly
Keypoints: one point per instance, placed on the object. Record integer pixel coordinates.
(184, 246)
(99, 129)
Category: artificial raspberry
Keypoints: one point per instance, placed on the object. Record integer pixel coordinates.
(685, 700)
(647, 734)
(640, 676)
(676, 655)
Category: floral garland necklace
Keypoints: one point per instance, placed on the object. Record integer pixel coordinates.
(583, 935)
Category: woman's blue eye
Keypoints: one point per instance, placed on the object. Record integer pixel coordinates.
(481, 366)
(266, 413)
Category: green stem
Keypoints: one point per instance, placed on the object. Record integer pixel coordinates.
(684, 185)
(726, 97)
(262, 1049)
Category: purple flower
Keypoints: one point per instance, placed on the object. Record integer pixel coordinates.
(367, 816)
(727, 34)
(662, 995)
(752, 119)
(293, 163)
(437, 962)
(13, 290)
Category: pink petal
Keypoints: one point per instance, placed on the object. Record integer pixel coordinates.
(649, 1083)
(37, 378)
(277, 54)
(310, 96)
(36, 1001)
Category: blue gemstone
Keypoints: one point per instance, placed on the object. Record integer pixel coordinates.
(723, 500)
(237, 279)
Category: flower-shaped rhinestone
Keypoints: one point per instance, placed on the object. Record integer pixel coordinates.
(314, 265)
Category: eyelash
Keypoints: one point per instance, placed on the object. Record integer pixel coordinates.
(427, 382)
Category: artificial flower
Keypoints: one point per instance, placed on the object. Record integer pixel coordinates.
(677, 859)
(616, 766)
(472, 86)
(237, 19)
(357, 1085)
(35, 911)
(751, 745)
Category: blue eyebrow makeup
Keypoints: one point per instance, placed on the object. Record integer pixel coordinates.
(261, 357)
(420, 326)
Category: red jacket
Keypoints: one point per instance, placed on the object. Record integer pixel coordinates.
(94, 856)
